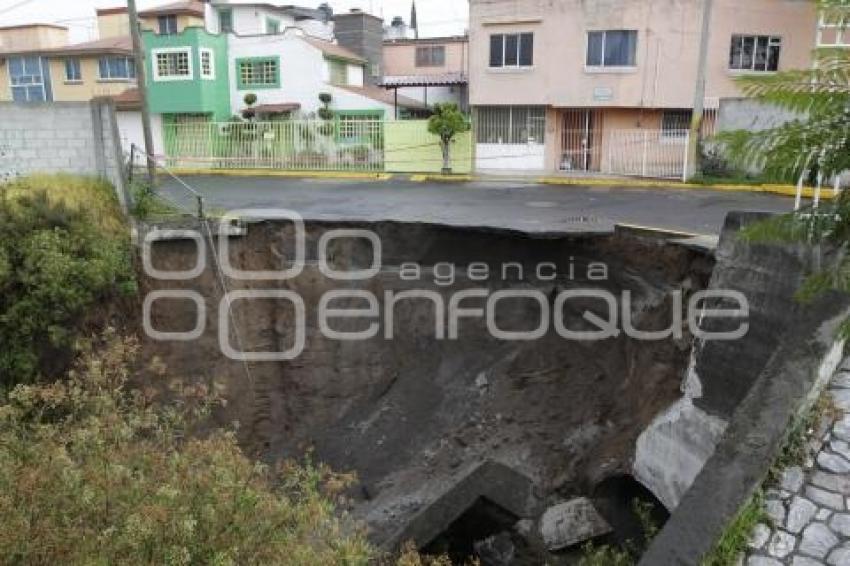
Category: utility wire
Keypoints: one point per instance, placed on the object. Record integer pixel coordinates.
(15, 6)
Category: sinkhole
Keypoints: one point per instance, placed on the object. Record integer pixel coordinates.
(457, 433)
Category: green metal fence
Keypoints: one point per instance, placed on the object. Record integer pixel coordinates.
(316, 145)
(351, 144)
(410, 148)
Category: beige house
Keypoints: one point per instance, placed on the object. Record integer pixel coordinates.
(430, 70)
(571, 85)
(45, 68)
(37, 63)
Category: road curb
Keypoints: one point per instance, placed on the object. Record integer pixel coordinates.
(288, 174)
(783, 190)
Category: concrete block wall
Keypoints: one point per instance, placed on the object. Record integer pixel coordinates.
(61, 137)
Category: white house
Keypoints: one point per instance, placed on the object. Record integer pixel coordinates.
(288, 71)
(257, 18)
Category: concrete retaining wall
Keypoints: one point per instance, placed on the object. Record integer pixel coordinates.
(61, 137)
(707, 455)
(749, 114)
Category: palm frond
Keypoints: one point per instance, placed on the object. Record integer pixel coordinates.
(821, 143)
(836, 12)
(825, 86)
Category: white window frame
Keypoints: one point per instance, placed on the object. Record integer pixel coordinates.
(129, 62)
(603, 68)
(205, 51)
(774, 40)
(171, 78)
(518, 67)
(167, 18)
(79, 67)
(42, 83)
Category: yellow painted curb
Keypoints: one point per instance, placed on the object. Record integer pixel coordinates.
(290, 174)
(784, 190)
(441, 178)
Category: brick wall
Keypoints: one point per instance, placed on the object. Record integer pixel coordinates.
(61, 137)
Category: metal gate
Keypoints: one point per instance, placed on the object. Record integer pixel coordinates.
(581, 141)
(589, 145)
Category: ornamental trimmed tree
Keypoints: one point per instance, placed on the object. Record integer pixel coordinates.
(446, 123)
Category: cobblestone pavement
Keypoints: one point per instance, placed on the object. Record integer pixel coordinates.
(810, 509)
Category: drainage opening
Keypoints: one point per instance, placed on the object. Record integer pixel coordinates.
(485, 531)
(630, 508)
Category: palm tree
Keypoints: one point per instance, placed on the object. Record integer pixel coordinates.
(816, 142)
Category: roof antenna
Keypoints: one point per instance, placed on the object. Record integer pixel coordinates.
(414, 23)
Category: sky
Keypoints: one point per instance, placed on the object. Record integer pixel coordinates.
(436, 17)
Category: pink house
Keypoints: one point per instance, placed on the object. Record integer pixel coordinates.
(609, 85)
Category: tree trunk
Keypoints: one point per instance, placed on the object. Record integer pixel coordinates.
(447, 165)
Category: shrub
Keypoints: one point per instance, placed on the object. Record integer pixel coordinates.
(93, 471)
(64, 249)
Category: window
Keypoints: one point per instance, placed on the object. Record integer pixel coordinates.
(432, 56)
(360, 127)
(511, 124)
(272, 27)
(759, 53)
(172, 64)
(207, 64)
(28, 79)
(73, 72)
(225, 21)
(167, 25)
(612, 48)
(512, 50)
(258, 73)
(116, 69)
(338, 71)
(675, 124)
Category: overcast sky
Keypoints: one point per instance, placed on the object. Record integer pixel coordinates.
(436, 17)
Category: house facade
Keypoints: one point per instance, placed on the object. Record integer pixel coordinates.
(430, 70)
(38, 65)
(572, 85)
(283, 56)
(258, 18)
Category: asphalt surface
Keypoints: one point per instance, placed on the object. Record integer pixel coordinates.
(515, 205)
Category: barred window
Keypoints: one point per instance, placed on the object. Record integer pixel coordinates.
(173, 65)
(258, 73)
(207, 64)
(675, 123)
(511, 124)
(758, 53)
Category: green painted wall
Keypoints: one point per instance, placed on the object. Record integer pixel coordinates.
(410, 148)
(196, 96)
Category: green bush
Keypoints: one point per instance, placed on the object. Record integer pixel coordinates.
(95, 472)
(64, 250)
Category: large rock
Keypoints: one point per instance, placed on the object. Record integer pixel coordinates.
(570, 523)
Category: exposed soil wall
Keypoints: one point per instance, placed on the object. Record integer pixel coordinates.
(415, 415)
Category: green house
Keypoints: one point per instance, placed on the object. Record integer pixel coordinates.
(188, 74)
